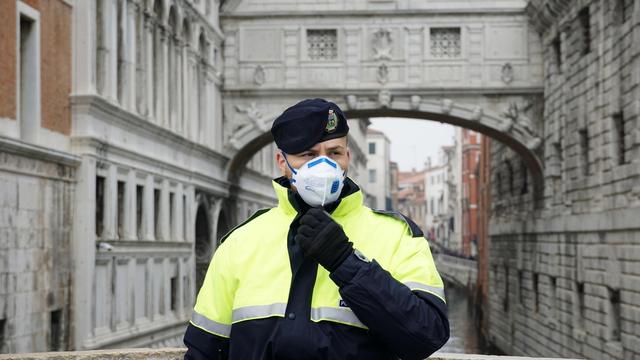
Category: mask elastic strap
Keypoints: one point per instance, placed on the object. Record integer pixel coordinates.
(289, 165)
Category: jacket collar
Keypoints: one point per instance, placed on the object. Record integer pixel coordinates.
(291, 203)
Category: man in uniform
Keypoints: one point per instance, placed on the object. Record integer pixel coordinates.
(320, 276)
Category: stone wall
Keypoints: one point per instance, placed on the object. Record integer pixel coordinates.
(569, 283)
(37, 188)
(177, 353)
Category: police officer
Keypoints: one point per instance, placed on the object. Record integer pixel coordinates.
(319, 276)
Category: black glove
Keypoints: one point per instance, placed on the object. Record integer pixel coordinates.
(322, 239)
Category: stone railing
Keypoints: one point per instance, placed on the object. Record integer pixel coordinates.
(177, 353)
(461, 271)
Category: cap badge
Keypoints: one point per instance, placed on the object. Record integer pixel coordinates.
(332, 123)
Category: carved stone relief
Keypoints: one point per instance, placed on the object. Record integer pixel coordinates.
(384, 98)
(382, 44)
(259, 76)
(383, 73)
(254, 114)
(507, 73)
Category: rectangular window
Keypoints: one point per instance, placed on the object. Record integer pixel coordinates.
(372, 148)
(139, 210)
(322, 44)
(29, 73)
(99, 215)
(120, 217)
(185, 212)
(174, 293)
(614, 315)
(55, 330)
(584, 151)
(445, 42)
(585, 25)
(535, 293)
(618, 138)
(579, 306)
(3, 345)
(372, 176)
(556, 44)
(156, 212)
(172, 219)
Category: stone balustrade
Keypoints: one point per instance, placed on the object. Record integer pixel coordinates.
(177, 353)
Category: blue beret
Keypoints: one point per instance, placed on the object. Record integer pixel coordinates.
(307, 123)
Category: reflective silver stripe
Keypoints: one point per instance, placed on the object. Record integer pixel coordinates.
(258, 311)
(431, 289)
(341, 315)
(209, 325)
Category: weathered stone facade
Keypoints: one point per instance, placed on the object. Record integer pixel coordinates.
(569, 283)
(36, 210)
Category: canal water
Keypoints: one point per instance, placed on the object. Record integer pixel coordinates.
(465, 336)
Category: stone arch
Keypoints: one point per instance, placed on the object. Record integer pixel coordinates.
(510, 129)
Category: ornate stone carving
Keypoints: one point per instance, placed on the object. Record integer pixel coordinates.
(259, 76)
(516, 113)
(352, 102)
(253, 114)
(477, 113)
(415, 102)
(382, 45)
(383, 73)
(384, 98)
(507, 73)
(447, 105)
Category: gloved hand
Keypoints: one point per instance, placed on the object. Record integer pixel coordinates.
(322, 239)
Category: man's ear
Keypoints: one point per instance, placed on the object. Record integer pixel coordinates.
(282, 164)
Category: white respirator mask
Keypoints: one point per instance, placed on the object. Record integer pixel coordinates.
(319, 181)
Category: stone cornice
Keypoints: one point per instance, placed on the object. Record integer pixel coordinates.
(18, 147)
(368, 13)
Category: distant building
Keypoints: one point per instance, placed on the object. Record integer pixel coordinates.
(378, 168)
(359, 156)
(469, 184)
(410, 196)
(437, 222)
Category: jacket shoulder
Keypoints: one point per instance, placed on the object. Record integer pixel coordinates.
(413, 227)
(251, 220)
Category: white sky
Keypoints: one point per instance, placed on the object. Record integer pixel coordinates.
(413, 140)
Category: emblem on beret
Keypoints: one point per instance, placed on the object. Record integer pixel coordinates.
(332, 123)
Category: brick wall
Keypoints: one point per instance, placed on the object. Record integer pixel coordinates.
(55, 62)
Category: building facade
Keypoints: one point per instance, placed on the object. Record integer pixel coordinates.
(37, 176)
(469, 184)
(378, 170)
(567, 284)
(411, 196)
(437, 225)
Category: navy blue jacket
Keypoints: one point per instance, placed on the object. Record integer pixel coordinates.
(402, 324)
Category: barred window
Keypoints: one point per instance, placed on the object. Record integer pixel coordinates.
(445, 42)
(322, 44)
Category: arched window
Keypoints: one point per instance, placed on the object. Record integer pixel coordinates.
(172, 59)
(141, 63)
(157, 57)
(186, 36)
(202, 81)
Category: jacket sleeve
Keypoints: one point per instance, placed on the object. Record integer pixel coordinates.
(406, 308)
(207, 335)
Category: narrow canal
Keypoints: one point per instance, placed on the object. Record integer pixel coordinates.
(465, 336)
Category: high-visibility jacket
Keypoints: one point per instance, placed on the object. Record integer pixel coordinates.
(261, 299)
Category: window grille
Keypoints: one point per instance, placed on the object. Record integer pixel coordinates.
(445, 43)
(322, 44)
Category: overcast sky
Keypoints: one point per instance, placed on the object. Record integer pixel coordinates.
(412, 141)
